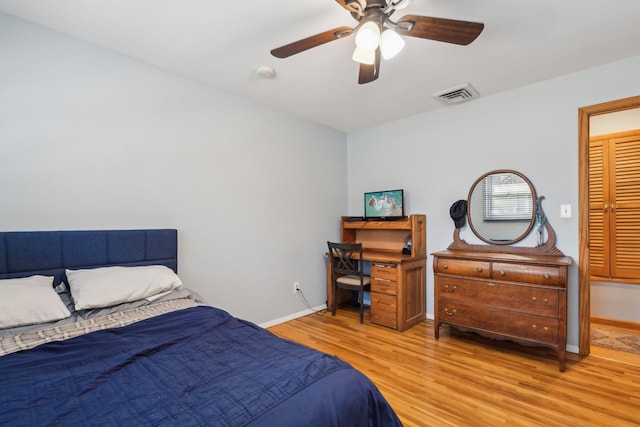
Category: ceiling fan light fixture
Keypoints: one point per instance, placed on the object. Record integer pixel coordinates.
(401, 4)
(390, 44)
(364, 56)
(368, 36)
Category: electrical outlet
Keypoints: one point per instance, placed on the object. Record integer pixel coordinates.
(296, 287)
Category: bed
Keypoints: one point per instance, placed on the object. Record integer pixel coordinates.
(165, 359)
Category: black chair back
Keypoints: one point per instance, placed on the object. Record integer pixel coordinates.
(346, 258)
(347, 270)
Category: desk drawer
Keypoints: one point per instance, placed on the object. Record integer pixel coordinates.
(384, 271)
(384, 310)
(464, 267)
(384, 286)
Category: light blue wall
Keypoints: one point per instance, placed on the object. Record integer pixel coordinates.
(90, 139)
(436, 156)
(93, 139)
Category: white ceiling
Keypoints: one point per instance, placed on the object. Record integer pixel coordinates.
(222, 43)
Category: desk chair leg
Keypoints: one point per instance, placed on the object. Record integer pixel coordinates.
(335, 300)
(361, 301)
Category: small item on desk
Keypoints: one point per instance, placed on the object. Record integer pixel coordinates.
(407, 247)
(355, 218)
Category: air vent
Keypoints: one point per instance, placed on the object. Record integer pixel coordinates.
(457, 94)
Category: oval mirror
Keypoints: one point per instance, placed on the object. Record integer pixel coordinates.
(501, 207)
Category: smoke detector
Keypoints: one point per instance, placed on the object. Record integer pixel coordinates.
(457, 95)
(265, 72)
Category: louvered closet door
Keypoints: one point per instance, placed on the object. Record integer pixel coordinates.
(625, 206)
(599, 208)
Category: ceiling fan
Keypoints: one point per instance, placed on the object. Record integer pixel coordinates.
(378, 36)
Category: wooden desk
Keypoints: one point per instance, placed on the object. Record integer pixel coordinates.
(398, 281)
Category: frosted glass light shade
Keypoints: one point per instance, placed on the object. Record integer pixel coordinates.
(368, 36)
(402, 4)
(364, 56)
(391, 44)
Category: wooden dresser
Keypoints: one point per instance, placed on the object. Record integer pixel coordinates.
(519, 297)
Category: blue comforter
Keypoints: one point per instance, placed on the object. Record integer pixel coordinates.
(198, 366)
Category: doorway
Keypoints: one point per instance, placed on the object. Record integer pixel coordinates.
(584, 278)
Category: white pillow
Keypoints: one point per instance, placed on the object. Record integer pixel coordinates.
(29, 300)
(107, 286)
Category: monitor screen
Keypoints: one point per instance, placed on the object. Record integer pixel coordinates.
(384, 204)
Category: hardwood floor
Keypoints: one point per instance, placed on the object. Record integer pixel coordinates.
(466, 380)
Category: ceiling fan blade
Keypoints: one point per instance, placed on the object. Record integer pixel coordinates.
(369, 73)
(440, 29)
(310, 42)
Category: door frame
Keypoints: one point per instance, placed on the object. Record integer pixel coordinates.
(584, 278)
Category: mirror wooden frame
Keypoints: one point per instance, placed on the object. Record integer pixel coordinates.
(547, 248)
(532, 220)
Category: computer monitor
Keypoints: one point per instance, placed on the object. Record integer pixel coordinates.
(384, 204)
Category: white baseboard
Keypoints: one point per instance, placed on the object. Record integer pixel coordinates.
(292, 316)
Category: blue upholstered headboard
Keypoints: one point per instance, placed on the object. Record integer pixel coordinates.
(25, 253)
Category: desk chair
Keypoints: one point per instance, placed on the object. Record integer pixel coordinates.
(347, 272)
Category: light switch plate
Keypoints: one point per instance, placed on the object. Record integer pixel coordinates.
(565, 211)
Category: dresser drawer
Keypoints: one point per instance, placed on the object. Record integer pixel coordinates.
(538, 274)
(541, 329)
(384, 286)
(464, 267)
(506, 295)
(384, 271)
(384, 310)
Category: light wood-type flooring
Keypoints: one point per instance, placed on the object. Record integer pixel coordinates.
(466, 380)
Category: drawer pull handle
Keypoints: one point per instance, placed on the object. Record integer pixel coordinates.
(449, 313)
(445, 266)
(534, 298)
(491, 284)
(479, 269)
(502, 273)
(546, 328)
(546, 300)
(448, 289)
(534, 326)
(547, 276)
